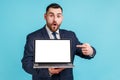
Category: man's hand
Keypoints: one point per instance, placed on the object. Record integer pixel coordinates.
(55, 70)
(86, 49)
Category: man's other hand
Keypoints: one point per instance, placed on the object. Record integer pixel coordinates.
(55, 70)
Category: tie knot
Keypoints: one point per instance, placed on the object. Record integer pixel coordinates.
(54, 35)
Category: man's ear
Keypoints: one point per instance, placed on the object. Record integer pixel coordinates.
(45, 16)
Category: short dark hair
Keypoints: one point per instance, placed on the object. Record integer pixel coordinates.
(53, 5)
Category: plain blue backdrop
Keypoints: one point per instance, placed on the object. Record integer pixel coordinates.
(94, 21)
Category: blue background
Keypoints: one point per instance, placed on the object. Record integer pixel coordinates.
(94, 21)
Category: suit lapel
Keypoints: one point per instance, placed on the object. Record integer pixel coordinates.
(45, 34)
(62, 35)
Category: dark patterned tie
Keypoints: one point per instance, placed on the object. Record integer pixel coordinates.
(54, 35)
(55, 76)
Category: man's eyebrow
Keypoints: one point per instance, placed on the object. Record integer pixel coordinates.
(59, 13)
(50, 13)
(53, 13)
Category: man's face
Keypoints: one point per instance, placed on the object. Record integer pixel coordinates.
(53, 18)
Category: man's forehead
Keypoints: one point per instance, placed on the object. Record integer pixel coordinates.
(55, 10)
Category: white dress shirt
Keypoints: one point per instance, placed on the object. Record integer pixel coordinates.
(50, 33)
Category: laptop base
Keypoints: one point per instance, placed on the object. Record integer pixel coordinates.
(69, 65)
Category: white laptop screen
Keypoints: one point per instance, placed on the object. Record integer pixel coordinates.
(52, 51)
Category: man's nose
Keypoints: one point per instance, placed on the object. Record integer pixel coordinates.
(55, 18)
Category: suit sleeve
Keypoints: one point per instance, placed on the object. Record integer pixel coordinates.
(28, 59)
(78, 51)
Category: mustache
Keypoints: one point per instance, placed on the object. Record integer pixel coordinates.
(55, 23)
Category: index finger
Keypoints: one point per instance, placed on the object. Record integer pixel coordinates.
(80, 46)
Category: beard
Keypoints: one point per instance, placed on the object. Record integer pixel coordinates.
(54, 26)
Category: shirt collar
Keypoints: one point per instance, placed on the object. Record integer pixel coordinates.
(49, 31)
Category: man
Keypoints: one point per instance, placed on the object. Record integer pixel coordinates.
(54, 17)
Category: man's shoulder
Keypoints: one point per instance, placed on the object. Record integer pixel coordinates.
(66, 31)
(36, 32)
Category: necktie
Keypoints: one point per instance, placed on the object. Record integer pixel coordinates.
(54, 35)
(55, 76)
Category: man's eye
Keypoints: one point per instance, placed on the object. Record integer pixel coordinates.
(51, 15)
(59, 16)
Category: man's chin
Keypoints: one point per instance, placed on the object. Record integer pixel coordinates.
(55, 28)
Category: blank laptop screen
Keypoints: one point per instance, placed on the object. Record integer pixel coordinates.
(52, 51)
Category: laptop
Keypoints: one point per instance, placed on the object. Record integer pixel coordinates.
(52, 54)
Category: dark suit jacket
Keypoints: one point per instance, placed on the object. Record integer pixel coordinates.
(43, 74)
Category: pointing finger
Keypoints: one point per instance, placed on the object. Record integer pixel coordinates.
(80, 46)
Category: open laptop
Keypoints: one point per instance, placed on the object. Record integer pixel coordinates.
(52, 54)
